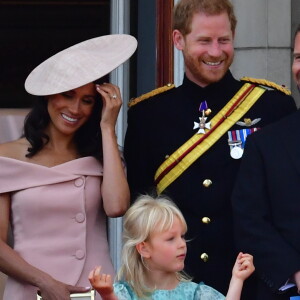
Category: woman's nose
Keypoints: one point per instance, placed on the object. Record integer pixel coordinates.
(74, 106)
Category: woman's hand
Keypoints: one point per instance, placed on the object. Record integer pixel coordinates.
(114, 186)
(102, 283)
(112, 101)
(56, 290)
(243, 266)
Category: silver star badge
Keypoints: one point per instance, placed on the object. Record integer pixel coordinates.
(201, 125)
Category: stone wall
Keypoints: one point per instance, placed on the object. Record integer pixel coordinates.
(264, 40)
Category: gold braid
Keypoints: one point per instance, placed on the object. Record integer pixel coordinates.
(159, 90)
(267, 83)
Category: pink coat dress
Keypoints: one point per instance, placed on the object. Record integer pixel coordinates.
(58, 221)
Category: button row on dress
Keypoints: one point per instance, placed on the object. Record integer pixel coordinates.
(79, 217)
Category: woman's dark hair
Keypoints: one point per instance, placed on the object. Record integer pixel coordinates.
(88, 138)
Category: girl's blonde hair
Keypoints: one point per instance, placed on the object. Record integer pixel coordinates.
(144, 217)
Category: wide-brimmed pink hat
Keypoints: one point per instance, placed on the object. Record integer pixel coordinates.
(80, 64)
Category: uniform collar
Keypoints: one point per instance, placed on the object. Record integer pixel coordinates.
(226, 87)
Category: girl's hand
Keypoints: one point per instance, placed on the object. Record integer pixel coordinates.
(102, 283)
(112, 101)
(243, 266)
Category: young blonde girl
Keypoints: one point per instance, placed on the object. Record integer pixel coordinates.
(153, 259)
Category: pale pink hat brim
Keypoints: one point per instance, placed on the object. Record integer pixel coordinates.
(80, 64)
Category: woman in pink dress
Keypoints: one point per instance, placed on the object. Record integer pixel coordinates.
(61, 180)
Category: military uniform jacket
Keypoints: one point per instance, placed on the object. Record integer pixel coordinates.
(266, 205)
(161, 124)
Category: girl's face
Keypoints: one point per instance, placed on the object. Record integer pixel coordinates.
(70, 110)
(167, 249)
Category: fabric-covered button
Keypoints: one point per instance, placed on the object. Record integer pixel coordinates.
(79, 182)
(80, 217)
(80, 254)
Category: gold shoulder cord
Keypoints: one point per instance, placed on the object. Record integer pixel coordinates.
(267, 83)
(157, 91)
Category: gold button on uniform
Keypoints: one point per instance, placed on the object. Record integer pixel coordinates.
(204, 257)
(206, 220)
(207, 183)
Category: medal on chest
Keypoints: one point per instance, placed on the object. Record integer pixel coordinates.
(236, 141)
(202, 125)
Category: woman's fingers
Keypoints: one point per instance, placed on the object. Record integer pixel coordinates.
(112, 102)
(109, 92)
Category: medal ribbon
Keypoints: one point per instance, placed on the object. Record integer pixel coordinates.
(239, 135)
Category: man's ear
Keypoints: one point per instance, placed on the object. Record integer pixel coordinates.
(143, 249)
(178, 39)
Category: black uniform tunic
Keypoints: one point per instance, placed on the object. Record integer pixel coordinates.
(266, 206)
(160, 125)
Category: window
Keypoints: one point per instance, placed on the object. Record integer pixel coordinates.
(32, 31)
